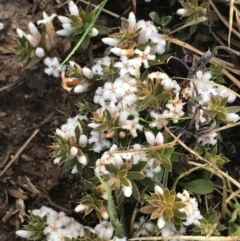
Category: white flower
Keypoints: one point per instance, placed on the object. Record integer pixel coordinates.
(20, 33)
(53, 66)
(145, 55)
(170, 230)
(208, 139)
(24, 233)
(191, 209)
(80, 208)
(104, 230)
(132, 126)
(46, 18)
(159, 120)
(40, 52)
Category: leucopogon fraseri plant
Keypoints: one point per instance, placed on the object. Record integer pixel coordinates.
(121, 134)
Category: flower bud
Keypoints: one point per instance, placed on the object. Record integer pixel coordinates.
(83, 160)
(40, 52)
(122, 134)
(24, 233)
(80, 208)
(87, 72)
(158, 189)
(83, 140)
(110, 41)
(181, 11)
(20, 33)
(104, 214)
(94, 32)
(150, 138)
(161, 222)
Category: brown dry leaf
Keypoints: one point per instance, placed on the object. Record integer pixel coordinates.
(6, 50)
(17, 194)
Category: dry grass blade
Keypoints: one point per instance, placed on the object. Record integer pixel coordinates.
(19, 151)
(188, 238)
(234, 31)
(230, 21)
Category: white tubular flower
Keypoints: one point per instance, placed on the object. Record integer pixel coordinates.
(161, 222)
(181, 12)
(80, 208)
(40, 52)
(122, 52)
(110, 41)
(73, 9)
(232, 117)
(64, 20)
(127, 190)
(20, 33)
(158, 189)
(46, 18)
(24, 233)
(35, 36)
(132, 22)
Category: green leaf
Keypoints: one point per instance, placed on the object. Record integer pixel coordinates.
(135, 192)
(232, 109)
(69, 164)
(102, 30)
(199, 186)
(133, 175)
(163, 96)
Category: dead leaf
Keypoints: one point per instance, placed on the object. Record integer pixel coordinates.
(17, 194)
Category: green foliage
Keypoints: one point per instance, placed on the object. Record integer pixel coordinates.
(209, 225)
(36, 224)
(82, 22)
(166, 205)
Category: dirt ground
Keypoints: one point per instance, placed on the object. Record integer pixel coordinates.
(34, 104)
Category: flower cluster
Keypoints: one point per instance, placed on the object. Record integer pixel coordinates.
(58, 226)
